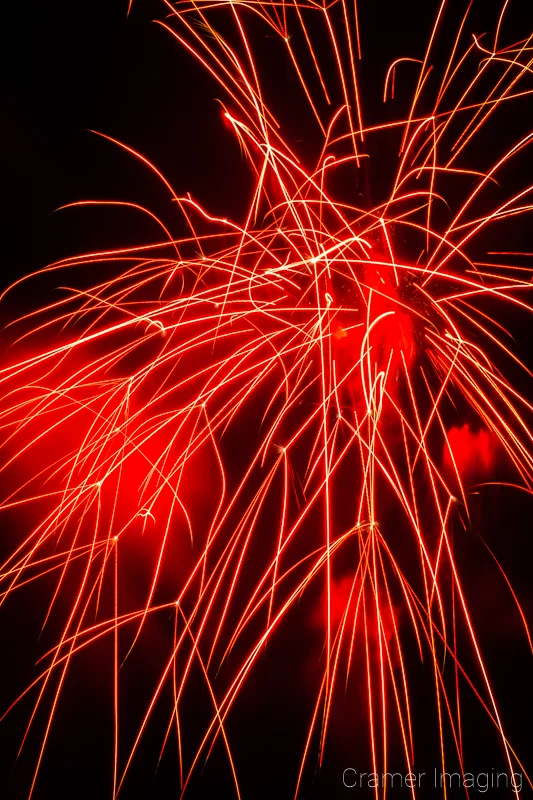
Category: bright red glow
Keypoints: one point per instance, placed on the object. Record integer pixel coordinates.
(471, 453)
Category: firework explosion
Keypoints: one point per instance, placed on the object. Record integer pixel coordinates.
(271, 427)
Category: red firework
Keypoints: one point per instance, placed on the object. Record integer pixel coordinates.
(273, 426)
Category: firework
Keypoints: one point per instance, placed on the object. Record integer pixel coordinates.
(271, 427)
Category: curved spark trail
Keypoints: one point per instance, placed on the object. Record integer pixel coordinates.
(288, 411)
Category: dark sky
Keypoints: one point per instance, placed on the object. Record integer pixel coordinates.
(68, 69)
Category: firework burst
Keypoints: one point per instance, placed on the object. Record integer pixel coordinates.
(272, 425)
